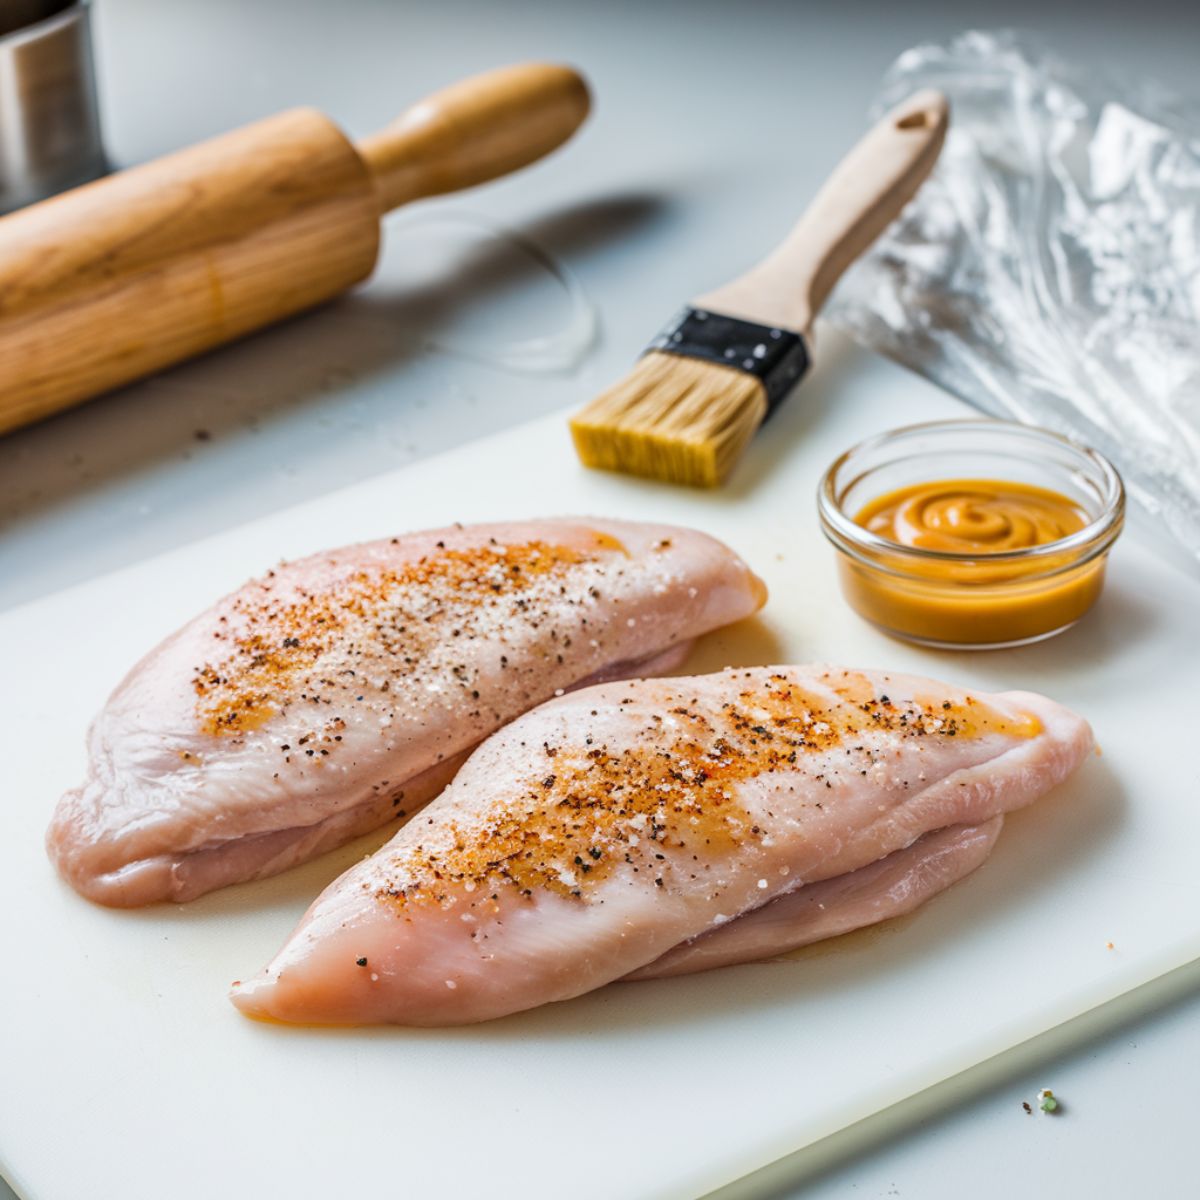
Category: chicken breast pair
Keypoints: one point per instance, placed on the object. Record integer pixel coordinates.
(621, 830)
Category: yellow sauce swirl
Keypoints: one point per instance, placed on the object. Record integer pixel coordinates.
(972, 516)
(973, 598)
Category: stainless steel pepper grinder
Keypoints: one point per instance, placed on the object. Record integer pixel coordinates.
(49, 120)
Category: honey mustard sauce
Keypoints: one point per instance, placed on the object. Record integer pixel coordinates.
(973, 516)
(938, 585)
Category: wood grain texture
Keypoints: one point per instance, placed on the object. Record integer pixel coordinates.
(862, 197)
(476, 130)
(124, 276)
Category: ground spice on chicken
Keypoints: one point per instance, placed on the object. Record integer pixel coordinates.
(668, 787)
(388, 619)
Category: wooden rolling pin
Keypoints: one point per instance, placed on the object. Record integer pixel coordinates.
(127, 275)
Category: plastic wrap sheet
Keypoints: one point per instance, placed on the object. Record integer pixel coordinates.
(1049, 271)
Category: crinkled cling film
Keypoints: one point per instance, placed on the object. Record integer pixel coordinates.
(1049, 271)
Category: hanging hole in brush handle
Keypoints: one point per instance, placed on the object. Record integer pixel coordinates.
(865, 193)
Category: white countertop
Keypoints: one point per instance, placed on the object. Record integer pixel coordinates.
(713, 124)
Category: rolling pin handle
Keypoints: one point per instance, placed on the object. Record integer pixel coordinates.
(475, 131)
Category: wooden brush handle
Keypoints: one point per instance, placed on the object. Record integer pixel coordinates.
(862, 197)
(115, 280)
(475, 130)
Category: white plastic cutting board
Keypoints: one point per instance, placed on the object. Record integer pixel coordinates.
(124, 1071)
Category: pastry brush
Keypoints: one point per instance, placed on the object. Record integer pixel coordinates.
(696, 397)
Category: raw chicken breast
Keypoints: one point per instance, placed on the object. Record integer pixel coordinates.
(887, 888)
(599, 832)
(341, 691)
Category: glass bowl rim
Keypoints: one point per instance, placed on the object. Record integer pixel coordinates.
(1102, 528)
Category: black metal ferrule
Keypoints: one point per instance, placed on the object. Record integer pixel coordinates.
(776, 357)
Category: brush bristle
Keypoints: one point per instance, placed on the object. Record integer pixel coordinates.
(681, 420)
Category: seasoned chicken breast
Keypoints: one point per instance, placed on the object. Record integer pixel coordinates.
(336, 693)
(642, 827)
(889, 887)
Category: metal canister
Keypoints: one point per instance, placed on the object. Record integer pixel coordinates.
(49, 120)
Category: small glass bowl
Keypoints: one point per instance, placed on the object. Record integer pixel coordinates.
(971, 602)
